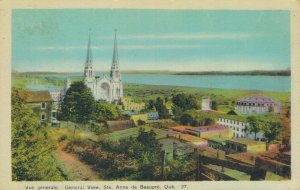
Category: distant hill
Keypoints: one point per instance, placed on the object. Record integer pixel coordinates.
(257, 72)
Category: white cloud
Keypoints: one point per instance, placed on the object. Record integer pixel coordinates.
(192, 36)
(123, 47)
(173, 37)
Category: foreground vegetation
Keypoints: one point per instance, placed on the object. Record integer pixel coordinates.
(135, 157)
(31, 147)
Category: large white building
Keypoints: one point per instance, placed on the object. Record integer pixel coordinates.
(257, 104)
(105, 88)
(239, 128)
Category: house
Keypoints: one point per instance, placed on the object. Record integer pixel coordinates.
(129, 105)
(245, 145)
(210, 131)
(40, 102)
(153, 116)
(257, 104)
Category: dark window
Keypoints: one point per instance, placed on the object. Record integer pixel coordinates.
(54, 114)
(43, 116)
(43, 105)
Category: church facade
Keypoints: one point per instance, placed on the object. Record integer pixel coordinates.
(104, 88)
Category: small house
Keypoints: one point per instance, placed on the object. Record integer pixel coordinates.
(245, 145)
(153, 116)
(40, 102)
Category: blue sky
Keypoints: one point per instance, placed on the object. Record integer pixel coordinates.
(181, 40)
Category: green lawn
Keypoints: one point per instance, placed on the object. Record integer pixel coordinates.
(151, 91)
(133, 132)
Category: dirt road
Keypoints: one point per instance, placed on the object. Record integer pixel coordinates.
(74, 168)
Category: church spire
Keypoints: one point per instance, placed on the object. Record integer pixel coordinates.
(89, 57)
(88, 69)
(114, 72)
(115, 58)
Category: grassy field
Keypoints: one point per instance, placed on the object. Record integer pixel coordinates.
(133, 132)
(151, 91)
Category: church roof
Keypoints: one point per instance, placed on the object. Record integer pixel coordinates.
(258, 99)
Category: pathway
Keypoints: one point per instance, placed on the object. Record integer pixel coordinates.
(74, 168)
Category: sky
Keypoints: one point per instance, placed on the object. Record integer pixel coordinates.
(175, 40)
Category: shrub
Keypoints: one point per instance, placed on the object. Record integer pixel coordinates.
(62, 138)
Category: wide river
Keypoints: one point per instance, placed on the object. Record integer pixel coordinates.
(265, 83)
(242, 82)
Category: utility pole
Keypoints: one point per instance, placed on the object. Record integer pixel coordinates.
(73, 138)
(197, 171)
(174, 150)
(163, 164)
(197, 157)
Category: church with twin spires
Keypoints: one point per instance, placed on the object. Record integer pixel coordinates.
(104, 88)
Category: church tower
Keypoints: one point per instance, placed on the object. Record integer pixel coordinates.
(89, 74)
(115, 73)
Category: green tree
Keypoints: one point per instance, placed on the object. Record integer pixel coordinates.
(177, 111)
(149, 155)
(179, 169)
(31, 149)
(150, 105)
(253, 125)
(186, 119)
(161, 108)
(106, 111)
(271, 130)
(214, 105)
(142, 153)
(185, 102)
(78, 103)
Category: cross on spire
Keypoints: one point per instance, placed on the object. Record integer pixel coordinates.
(89, 57)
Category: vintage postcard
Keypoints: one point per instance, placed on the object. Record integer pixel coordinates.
(154, 96)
